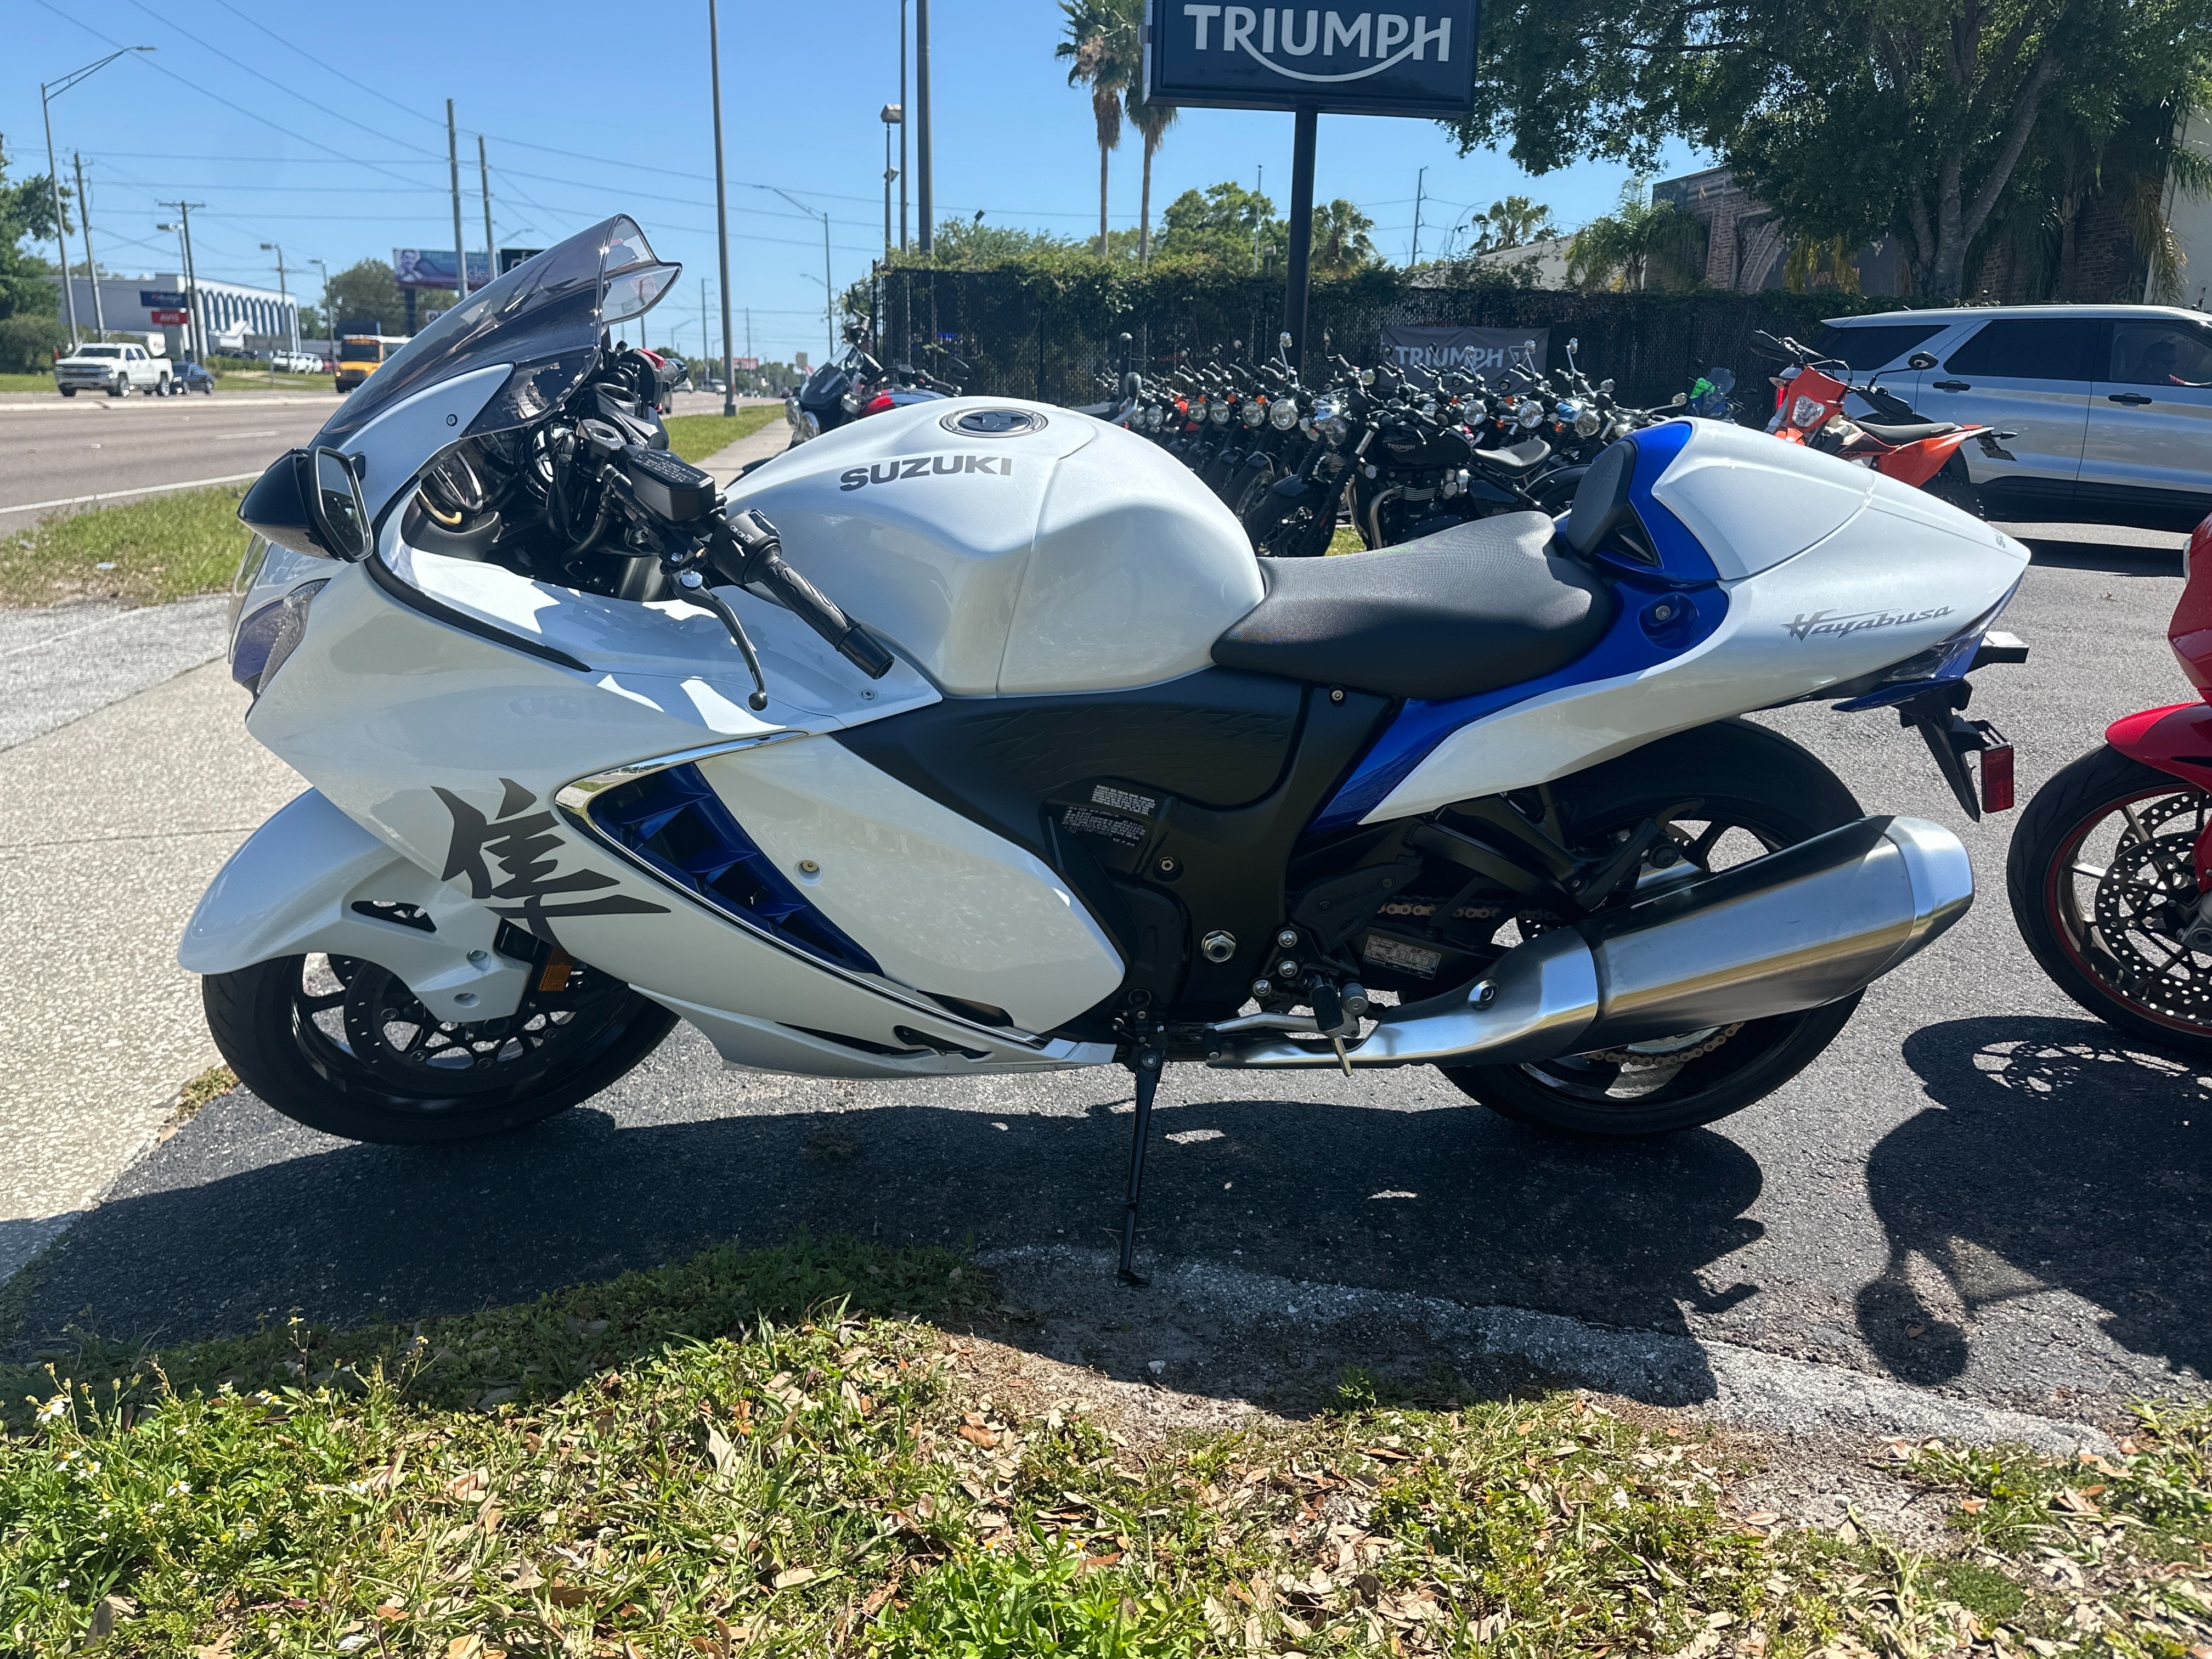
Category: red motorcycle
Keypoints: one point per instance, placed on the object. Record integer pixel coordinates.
(1808, 410)
(2111, 869)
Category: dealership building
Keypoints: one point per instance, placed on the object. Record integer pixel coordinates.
(233, 318)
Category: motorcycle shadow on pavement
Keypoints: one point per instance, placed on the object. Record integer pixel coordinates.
(2055, 1158)
(244, 1217)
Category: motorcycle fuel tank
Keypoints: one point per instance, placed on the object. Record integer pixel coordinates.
(1012, 548)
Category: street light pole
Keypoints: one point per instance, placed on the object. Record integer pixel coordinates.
(195, 326)
(894, 116)
(327, 327)
(48, 91)
(829, 289)
(454, 174)
(721, 211)
(84, 224)
(292, 315)
(483, 173)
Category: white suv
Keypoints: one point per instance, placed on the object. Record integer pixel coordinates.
(2112, 404)
(118, 370)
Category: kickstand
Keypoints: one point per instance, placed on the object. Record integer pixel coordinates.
(1146, 1065)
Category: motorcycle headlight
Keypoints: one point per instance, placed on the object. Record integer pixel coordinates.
(1587, 424)
(1805, 412)
(1336, 428)
(850, 402)
(1283, 413)
(1196, 408)
(1256, 414)
(1326, 408)
(1428, 409)
(1219, 414)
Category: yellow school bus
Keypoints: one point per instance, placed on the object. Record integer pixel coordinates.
(360, 354)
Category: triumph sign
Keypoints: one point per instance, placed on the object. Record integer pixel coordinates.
(1414, 61)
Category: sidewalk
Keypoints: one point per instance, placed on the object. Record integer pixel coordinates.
(112, 819)
(726, 463)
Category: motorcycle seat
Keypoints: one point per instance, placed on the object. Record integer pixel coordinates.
(1486, 603)
(1910, 433)
(1531, 452)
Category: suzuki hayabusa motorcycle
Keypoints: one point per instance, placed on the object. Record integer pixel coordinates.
(973, 738)
(2111, 870)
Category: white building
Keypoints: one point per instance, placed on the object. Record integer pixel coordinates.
(228, 312)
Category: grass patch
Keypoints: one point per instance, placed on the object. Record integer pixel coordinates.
(164, 547)
(695, 437)
(753, 1452)
(27, 383)
(1347, 540)
(260, 380)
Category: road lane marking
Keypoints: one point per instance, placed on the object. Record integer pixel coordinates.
(119, 495)
(224, 437)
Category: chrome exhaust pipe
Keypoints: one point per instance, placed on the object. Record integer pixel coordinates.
(1793, 930)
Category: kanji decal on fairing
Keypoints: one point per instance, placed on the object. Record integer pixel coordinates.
(518, 840)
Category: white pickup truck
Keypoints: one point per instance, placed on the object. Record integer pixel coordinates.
(118, 370)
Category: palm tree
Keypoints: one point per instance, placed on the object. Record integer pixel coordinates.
(1342, 243)
(1640, 244)
(1104, 41)
(1152, 120)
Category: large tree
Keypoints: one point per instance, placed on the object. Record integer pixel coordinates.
(1104, 44)
(1851, 117)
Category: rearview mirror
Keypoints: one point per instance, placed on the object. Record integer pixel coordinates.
(1920, 360)
(339, 515)
(1679, 398)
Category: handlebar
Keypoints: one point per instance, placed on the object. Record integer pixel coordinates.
(745, 549)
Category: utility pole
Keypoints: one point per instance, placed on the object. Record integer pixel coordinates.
(921, 110)
(483, 173)
(84, 224)
(1259, 189)
(901, 160)
(1420, 178)
(195, 325)
(453, 173)
(284, 289)
(48, 91)
(721, 209)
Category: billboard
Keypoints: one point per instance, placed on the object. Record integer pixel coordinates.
(164, 317)
(1355, 63)
(747, 362)
(1476, 350)
(433, 267)
(160, 299)
(511, 256)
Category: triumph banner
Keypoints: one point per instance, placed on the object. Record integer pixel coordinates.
(1417, 61)
(1477, 350)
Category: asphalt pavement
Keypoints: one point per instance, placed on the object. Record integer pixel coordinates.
(59, 453)
(1976, 1189)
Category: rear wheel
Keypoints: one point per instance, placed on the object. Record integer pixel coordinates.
(2102, 877)
(1755, 791)
(342, 1045)
(1953, 484)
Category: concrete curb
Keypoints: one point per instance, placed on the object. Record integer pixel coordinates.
(60, 664)
(1747, 1386)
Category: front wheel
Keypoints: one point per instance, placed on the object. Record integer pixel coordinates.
(342, 1045)
(66, 391)
(2102, 875)
(1753, 792)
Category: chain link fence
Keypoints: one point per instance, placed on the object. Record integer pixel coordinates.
(1056, 339)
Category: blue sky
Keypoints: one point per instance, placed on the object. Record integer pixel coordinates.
(316, 128)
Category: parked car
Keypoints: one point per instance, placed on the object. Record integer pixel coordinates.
(191, 377)
(118, 370)
(2112, 404)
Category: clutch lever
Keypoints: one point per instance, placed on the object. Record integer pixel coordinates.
(745, 549)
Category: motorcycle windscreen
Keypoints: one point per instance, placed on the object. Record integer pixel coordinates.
(544, 317)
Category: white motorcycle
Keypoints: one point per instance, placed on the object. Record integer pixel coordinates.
(1036, 766)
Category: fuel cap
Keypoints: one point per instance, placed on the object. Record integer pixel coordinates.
(994, 423)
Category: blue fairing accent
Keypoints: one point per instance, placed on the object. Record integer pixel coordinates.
(676, 822)
(1633, 643)
(1682, 556)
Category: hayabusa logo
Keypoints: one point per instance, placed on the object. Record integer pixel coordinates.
(1829, 624)
(517, 842)
(926, 466)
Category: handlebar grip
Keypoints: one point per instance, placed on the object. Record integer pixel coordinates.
(820, 613)
(760, 551)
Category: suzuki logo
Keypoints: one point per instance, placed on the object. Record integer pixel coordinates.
(1379, 40)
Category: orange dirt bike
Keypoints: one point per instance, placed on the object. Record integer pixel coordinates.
(1808, 410)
